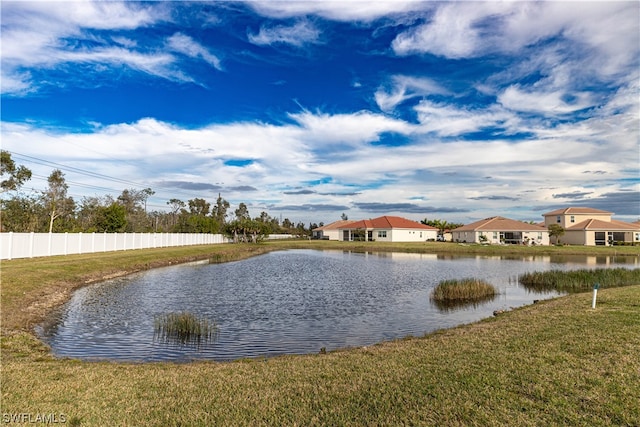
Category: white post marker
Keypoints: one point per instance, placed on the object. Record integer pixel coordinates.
(595, 294)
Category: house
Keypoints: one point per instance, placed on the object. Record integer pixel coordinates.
(330, 231)
(591, 227)
(498, 229)
(388, 229)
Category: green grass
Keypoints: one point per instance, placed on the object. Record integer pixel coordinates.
(468, 289)
(558, 362)
(579, 280)
(184, 328)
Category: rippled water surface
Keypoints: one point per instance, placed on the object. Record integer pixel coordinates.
(287, 302)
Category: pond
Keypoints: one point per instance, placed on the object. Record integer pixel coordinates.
(288, 302)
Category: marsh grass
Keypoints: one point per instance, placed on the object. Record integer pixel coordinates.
(463, 291)
(579, 280)
(184, 328)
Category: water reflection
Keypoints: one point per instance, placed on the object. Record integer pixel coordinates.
(449, 305)
(184, 330)
(287, 302)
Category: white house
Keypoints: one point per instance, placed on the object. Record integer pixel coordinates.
(387, 229)
(330, 231)
(498, 229)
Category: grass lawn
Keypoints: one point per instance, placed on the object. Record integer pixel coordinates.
(558, 362)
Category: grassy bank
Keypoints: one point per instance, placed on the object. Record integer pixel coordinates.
(558, 362)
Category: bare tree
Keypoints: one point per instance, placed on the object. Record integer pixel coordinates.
(55, 197)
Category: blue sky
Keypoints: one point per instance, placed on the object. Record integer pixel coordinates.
(307, 110)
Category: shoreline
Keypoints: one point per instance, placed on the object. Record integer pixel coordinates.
(38, 303)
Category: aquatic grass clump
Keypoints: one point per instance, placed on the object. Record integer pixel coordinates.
(461, 292)
(184, 328)
(579, 280)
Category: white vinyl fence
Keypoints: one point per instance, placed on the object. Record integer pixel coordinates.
(29, 245)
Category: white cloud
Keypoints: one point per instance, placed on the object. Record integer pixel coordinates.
(186, 45)
(404, 88)
(350, 129)
(297, 35)
(345, 10)
(45, 35)
(471, 29)
(550, 103)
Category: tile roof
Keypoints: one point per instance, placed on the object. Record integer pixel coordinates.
(335, 225)
(498, 223)
(387, 222)
(596, 224)
(578, 211)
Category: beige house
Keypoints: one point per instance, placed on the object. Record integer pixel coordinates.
(591, 227)
(330, 231)
(500, 230)
(387, 229)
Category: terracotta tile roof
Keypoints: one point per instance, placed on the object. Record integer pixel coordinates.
(578, 211)
(498, 223)
(596, 224)
(334, 225)
(387, 222)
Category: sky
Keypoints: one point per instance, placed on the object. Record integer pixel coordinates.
(313, 109)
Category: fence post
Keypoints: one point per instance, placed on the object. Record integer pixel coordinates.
(10, 245)
(31, 237)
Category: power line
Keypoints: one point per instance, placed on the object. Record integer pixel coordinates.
(92, 174)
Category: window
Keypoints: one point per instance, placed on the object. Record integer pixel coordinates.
(382, 233)
(558, 219)
(495, 235)
(573, 219)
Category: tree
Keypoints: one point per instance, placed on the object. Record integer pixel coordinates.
(176, 205)
(134, 202)
(242, 212)
(441, 224)
(557, 231)
(12, 177)
(55, 197)
(220, 210)
(344, 216)
(199, 207)
(111, 219)
(22, 214)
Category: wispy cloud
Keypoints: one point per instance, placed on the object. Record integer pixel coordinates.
(186, 45)
(403, 88)
(347, 10)
(43, 34)
(298, 35)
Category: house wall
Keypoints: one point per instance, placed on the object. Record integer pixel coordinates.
(565, 220)
(332, 234)
(407, 235)
(577, 237)
(493, 237)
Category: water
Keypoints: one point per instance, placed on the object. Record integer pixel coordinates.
(287, 302)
